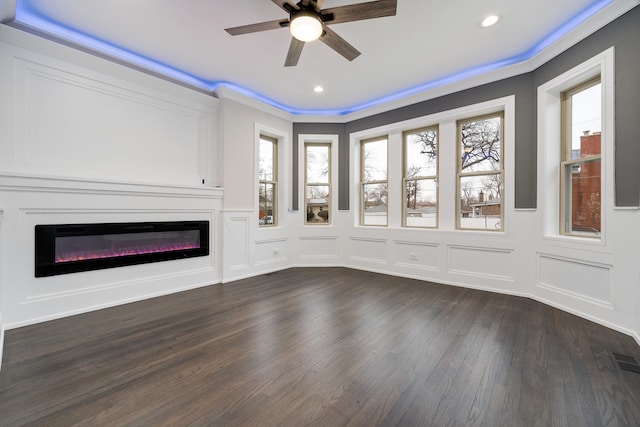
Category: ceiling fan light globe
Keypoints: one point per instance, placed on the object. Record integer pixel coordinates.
(306, 27)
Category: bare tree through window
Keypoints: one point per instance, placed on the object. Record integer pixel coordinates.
(480, 173)
(420, 177)
(374, 186)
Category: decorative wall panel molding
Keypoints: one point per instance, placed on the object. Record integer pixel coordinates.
(271, 251)
(368, 250)
(318, 247)
(236, 242)
(129, 133)
(576, 278)
(481, 261)
(418, 255)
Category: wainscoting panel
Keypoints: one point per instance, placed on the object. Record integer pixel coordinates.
(481, 261)
(271, 251)
(318, 248)
(236, 241)
(416, 255)
(368, 250)
(584, 280)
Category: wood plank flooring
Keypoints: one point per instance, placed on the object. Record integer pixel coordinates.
(320, 347)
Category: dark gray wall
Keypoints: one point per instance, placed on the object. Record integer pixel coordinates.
(623, 33)
(525, 145)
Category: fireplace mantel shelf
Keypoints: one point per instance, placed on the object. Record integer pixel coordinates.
(25, 182)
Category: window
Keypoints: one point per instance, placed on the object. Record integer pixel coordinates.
(452, 170)
(480, 173)
(580, 176)
(574, 205)
(420, 180)
(268, 181)
(317, 183)
(373, 182)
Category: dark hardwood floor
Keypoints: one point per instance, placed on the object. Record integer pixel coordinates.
(320, 347)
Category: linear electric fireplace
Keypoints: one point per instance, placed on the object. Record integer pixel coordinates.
(70, 248)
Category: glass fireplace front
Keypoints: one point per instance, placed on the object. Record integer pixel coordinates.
(69, 248)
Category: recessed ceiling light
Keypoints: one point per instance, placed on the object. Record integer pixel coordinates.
(490, 20)
(318, 89)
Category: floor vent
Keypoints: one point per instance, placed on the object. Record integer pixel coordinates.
(626, 363)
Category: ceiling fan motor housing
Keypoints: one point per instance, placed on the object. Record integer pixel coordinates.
(305, 24)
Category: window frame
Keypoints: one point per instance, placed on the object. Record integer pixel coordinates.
(550, 149)
(363, 183)
(447, 193)
(565, 216)
(405, 134)
(500, 172)
(306, 183)
(273, 182)
(332, 140)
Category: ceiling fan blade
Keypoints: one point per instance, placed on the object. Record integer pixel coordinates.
(285, 5)
(261, 26)
(340, 45)
(295, 49)
(360, 11)
(318, 4)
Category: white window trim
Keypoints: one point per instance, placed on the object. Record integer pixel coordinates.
(332, 140)
(550, 145)
(362, 182)
(460, 174)
(282, 139)
(447, 193)
(403, 223)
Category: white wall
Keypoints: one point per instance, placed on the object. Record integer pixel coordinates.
(66, 117)
(598, 282)
(49, 173)
(248, 249)
(239, 125)
(84, 140)
(596, 278)
(479, 259)
(31, 201)
(1, 322)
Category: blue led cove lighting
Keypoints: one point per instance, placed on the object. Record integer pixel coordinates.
(27, 16)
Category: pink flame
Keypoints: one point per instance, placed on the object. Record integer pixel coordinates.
(112, 253)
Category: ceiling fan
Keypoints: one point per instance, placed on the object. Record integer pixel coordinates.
(308, 21)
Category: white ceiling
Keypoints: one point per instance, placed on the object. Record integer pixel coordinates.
(429, 46)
